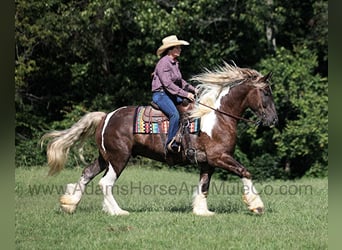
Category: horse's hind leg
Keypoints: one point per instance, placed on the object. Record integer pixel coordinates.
(74, 191)
(107, 182)
(199, 203)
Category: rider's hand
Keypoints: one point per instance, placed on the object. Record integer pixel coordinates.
(191, 97)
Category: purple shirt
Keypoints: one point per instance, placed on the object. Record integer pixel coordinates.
(167, 76)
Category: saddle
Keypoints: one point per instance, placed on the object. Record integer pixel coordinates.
(151, 120)
(153, 114)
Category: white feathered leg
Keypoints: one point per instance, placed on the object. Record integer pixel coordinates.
(109, 204)
(199, 204)
(72, 196)
(251, 197)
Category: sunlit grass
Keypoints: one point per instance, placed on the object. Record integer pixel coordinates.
(159, 202)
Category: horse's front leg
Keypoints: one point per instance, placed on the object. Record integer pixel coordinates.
(250, 196)
(200, 196)
(74, 191)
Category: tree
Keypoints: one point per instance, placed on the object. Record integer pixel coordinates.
(301, 95)
(74, 57)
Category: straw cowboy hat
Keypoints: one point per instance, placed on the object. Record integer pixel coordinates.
(170, 41)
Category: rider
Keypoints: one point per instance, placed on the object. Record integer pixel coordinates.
(168, 86)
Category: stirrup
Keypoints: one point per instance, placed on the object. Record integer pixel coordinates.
(173, 149)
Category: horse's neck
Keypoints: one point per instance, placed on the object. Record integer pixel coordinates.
(234, 103)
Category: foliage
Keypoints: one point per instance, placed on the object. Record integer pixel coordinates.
(302, 100)
(72, 57)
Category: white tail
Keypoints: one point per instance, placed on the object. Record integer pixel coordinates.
(61, 141)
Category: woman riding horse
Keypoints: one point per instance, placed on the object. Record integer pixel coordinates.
(168, 86)
(228, 91)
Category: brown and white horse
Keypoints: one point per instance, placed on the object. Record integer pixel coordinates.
(224, 94)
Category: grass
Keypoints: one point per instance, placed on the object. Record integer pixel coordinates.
(159, 202)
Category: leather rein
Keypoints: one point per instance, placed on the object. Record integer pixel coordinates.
(257, 122)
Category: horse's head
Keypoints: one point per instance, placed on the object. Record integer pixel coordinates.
(260, 100)
(231, 90)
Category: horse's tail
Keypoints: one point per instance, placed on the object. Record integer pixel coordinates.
(61, 141)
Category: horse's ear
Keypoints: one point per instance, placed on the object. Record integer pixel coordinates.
(267, 77)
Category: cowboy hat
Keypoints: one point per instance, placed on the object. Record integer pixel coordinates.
(170, 41)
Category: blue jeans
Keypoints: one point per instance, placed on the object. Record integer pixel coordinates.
(168, 105)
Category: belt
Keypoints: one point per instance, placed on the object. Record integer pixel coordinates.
(158, 90)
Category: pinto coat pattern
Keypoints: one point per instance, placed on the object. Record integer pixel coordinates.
(227, 89)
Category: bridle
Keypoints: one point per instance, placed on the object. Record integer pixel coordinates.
(256, 122)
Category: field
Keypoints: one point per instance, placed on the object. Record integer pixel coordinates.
(159, 202)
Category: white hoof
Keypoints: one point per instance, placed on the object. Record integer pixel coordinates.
(118, 213)
(200, 205)
(122, 212)
(254, 204)
(68, 208)
(68, 203)
(203, 213)
(113, 211)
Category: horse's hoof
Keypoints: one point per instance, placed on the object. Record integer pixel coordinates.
(68, 208)
(258, 210)
(68, 203)
(122, 212)
(254, 204)
(204, 213)
(118, 213)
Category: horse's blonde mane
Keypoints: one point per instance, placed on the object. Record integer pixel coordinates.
(213, 82)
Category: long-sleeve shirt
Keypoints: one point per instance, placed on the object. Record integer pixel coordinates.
(167, 76)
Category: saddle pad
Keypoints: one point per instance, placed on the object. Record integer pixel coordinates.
(160, 126)
(148, 126)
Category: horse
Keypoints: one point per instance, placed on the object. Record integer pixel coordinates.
(224, 93)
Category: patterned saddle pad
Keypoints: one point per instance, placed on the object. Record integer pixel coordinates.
(148, 120)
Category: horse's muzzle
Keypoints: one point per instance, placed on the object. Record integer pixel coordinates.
(269, 120)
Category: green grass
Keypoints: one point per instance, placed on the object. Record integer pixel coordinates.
(159, 202)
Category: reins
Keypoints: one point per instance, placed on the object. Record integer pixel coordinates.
(230, 115)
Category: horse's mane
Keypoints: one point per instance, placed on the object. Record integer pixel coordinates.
(213, 83)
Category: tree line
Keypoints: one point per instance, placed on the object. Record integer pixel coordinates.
(73, 57)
